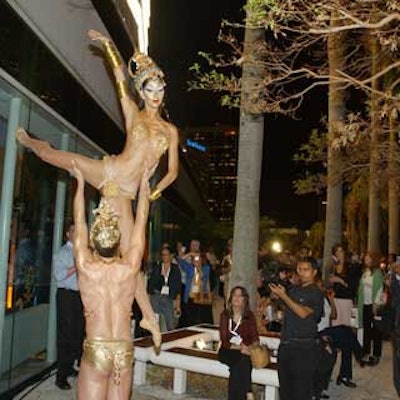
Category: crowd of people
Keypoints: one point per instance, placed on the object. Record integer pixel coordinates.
(317, 316)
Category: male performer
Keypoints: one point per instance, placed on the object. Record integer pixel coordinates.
(107, 282)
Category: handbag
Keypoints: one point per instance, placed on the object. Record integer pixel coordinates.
(384, 320)
(259, 355)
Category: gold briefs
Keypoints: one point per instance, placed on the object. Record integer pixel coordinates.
(108, 355)
(110, 187)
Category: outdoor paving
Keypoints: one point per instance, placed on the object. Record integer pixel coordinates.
(374, 383)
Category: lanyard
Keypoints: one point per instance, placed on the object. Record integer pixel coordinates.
(233, 331)
(165, 275)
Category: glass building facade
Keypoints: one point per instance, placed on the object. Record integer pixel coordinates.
(35, 203)
(39, 94)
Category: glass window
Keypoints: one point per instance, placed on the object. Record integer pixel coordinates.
(26, 318)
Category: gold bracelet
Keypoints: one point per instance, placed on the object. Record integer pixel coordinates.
(112, 54)
(122, 89)
(155, 194)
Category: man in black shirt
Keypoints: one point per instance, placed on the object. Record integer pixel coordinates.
(298, 351)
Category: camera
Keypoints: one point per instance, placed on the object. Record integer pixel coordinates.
(274, 280)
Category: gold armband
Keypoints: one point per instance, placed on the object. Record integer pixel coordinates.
(155, 194)
(122, 89)
(112, 54)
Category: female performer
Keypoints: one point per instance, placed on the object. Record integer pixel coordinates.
(238, 330)
(148, 136)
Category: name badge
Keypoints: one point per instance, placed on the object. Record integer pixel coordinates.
(236, 340)
(195, 288)
(165, 290)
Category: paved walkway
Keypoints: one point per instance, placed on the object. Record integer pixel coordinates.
(374, 383)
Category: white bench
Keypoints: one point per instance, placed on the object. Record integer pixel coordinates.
(177, 353)
(144, 349)
(203, 362)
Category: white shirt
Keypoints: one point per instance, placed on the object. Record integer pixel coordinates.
(62, 261)
(367, 282)
(325, 321)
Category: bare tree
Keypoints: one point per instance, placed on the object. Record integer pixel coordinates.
(294, 60)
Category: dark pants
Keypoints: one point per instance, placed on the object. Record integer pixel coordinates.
(239, 383)
(344, 339)
(396, 362)
(297, 361)
(371, 334)
(326, 361)
(70, 330)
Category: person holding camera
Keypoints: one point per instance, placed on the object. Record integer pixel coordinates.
(197, 296)
(164, 286)
(299, 347)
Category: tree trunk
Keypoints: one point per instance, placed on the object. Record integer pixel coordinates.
(336, 110)
(393, 197)
(373, 191)
(246, 231)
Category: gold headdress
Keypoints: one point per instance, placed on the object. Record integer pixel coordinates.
(141, 67)
(105, 230)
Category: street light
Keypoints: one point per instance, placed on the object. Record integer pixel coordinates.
(276, 247)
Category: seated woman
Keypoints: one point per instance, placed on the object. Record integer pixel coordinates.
(148, 136)
(238, 330)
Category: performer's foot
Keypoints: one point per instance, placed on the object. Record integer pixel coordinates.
(37, 146)
(154, 329)
(22, 137)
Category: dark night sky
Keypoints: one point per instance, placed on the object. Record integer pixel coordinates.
(181, 28)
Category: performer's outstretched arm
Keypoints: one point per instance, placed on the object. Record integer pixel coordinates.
(173, 164)
(129, 107)
(81, 248)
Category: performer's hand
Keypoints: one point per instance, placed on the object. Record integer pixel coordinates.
(76, 172)
(95, 35)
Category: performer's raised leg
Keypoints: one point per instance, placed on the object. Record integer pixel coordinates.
(92, 170)
(149, 321)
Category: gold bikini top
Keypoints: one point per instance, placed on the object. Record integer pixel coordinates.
(141, 132)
